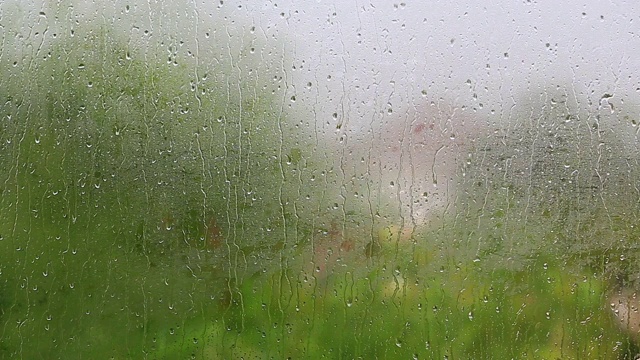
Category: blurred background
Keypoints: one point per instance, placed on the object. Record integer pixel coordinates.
(215, 179)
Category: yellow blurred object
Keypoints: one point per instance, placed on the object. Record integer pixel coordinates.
(625, 306)
(389, 234)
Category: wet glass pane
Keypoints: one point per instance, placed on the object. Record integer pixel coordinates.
(311, 179)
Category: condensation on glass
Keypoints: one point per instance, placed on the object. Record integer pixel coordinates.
(216, 180)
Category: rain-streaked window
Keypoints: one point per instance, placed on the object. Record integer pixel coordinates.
(319, 179)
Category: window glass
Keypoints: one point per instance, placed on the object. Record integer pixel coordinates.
(347, 179)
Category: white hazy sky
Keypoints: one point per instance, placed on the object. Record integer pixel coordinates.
(358, 59)
(480, 54)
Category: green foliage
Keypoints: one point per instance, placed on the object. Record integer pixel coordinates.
(398, 309)
(126, 189)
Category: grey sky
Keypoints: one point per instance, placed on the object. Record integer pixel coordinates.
(478, 54)
(359, 59)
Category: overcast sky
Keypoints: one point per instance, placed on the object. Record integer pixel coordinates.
(479, 54)
(359, 59)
